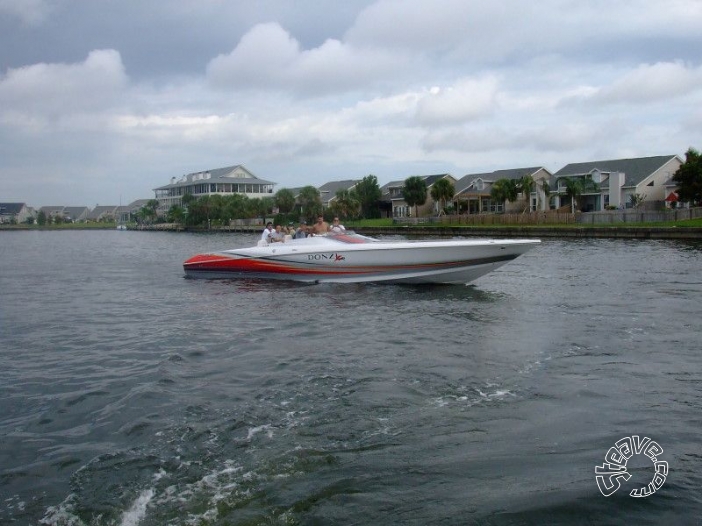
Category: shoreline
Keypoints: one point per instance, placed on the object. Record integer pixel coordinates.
(565, 231)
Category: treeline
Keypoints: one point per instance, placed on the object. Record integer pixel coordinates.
(361, 202)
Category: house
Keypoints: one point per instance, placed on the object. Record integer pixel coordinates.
(103, 213)
(76, 214)
(220, 181)
(52, 211)
(473, 191)
(127, 212)
(327, 192)
(611, 184)
(393, 199)
(15, 213)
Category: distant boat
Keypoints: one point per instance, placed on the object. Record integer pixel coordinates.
(121, 226)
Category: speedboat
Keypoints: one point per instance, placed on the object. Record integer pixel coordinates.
(354, 258)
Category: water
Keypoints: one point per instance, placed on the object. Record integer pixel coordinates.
(132, 396)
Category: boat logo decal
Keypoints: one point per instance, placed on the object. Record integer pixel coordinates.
(328, 257)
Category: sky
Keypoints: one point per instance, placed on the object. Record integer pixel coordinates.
(101, 101)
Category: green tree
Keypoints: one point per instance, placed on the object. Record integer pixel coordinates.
(176, 214)
(636, 200)
(526, 186)
(310, 202)
(236, 206)
(41, 218)
(689, 178)
(442, 191)
(504, 190)
(414, 192)
(345, 205)
(573, 190)
(367, 193)
(285, 200)
(546, 189)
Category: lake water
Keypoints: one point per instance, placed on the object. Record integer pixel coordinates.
(132, 396)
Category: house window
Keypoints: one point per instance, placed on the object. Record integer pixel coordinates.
(650, 184)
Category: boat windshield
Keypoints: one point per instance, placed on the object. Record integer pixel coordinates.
(350, 236)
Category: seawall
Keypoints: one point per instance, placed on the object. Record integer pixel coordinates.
(566, 231)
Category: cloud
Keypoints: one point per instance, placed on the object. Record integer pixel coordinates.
(30, 12)
(52, 90)
(268, 57)
(650, 83)
(466, 100)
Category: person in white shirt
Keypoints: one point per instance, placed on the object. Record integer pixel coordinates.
(337, 228)
(266, 235)
(278, 236)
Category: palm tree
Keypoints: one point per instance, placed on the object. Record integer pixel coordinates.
(527, 186)
(546, 189)
(345, 205)
(441, 191)
(414, 192)
(367, 193)
(573, 190)
(504, 190)
(285, 200)
(310, 202)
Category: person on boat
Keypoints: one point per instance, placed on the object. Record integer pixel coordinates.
(337, 228)
(301, 232)
(321, 227)
(266, 234)
(278, 236)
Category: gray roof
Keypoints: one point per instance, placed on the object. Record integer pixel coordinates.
(464, 182)
(635, 170)
(137, 205)
(328, 190)
(75, 211)
(99, 211)
(428, 180)
(11, 208)
(217, 175)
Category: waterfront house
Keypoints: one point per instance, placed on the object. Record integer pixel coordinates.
(327, 192)
(473, 191)
(15, 213)
(392, 197)
(75, 214)
(103, 213)
(219, 181)
(612, 183)
(50, 212)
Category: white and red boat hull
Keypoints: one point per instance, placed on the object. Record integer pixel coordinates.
(350, 258)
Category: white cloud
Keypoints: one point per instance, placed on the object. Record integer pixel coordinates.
(52, 90)
(389, 87)
(268, 57)
(30, 12)
(466, 100)
(652, 82)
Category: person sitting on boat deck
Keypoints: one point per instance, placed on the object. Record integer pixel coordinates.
(278, 236)
(266, 234)
(337, 227)
(301, 232)
(321, 227)
(290, 230)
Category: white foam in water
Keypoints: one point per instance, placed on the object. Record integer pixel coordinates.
(137, 512)
(255, 430)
